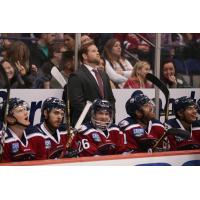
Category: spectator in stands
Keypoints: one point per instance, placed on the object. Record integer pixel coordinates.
(138, 77)
(39, 52)
(85, 38)
(10, 71)
(67, 67)
(69, 40)
(88, 83)
(44, 75)
(118, 68)
(169, 76)
(137, 45)
(14, 77)
(5, 46)
(192, 46)
(18, 55)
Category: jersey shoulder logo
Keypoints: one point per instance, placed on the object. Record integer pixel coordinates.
(47, 144)
(138, 132)
(15, 147)
(96, 137)
(123, 123)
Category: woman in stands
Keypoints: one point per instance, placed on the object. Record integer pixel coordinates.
(169, 76)
(118, 68)
(69, 41)
(138, 77)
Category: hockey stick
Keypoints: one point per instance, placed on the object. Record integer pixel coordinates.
(5, 84)
(163, 88)
(58, 76)
(83, 114)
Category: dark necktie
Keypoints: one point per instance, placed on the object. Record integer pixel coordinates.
(99, 81)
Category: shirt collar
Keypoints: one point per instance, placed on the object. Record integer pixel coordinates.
(90, 68)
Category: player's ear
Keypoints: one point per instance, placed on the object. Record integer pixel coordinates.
(180, 113)
(45, 114)
(10, 120)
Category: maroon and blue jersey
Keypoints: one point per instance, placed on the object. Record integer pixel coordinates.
(15, 148)
(178, 143)
(136, 136)
(45, 144)
(91, 141)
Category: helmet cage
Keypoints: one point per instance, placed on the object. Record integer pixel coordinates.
(104, 106)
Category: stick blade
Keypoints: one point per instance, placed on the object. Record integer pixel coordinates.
(58, 76)
(158, 83)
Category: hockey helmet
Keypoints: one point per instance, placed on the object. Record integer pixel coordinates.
(137, 100)
(16, 102)
(51, 103)
(183, 103)
(101, 105)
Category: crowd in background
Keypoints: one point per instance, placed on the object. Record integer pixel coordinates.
(125, 57)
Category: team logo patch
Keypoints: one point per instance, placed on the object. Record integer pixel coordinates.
(123, 123)
(138, 132)
(47, 144)
(15, 147)
(96, 137)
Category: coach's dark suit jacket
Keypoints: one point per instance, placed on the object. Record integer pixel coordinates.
(82, 86)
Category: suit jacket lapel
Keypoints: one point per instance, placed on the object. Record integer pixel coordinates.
(90, 77)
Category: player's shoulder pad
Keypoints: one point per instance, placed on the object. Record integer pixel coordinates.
(125, 123)
(8, 134)
(172, 122)
(196, 123)
(156, 121)
(33, 130)
(113, 127)
(83, 128)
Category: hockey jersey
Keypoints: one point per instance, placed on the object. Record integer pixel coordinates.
(15, 149)
(45, 144)
(137, 138)
(91, 141)
(178, 143)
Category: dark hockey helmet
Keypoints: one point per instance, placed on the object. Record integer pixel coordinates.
(101, 105)
(16, 102)
(183, 103)
(51, 103)
(137, 100)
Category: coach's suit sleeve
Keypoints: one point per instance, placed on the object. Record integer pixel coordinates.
(76, 97)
